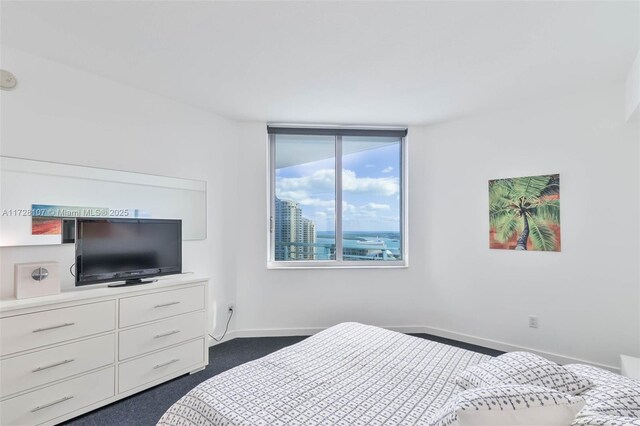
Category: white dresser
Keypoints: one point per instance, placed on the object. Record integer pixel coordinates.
(67, 354)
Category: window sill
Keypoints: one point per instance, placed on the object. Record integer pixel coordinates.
(333, 265)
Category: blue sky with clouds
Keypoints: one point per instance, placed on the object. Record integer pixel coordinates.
(371, 190)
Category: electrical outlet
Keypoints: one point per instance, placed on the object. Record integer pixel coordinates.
(230, 308)
(533, 321)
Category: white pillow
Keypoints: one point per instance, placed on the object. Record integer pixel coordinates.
(604, 420)
(613, 400)
(523, 368)
(508, 406)
(601, 377)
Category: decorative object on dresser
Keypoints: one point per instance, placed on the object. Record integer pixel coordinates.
(36, 279)
(64, 355)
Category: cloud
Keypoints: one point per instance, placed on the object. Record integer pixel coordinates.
(376, 206)
(387, 169)
(348, 208)
(317, 202)
(292, 195)
(306, 189)
(367, 211)
(320, 181)
(375, 186)
(302, 198)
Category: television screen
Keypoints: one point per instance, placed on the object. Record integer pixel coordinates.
(127, 249)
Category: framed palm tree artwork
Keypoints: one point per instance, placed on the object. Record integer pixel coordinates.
(524, 213)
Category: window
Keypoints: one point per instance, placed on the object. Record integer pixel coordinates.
(306, 228)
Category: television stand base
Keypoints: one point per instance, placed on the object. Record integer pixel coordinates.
(132, 282)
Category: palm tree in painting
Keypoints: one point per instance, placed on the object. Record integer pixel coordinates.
(528, 207)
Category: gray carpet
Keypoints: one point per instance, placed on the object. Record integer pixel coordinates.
(145, 408)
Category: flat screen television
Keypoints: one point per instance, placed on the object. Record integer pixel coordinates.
(129, 250)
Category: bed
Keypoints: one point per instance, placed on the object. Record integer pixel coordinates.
(354, 374)
(349, 374)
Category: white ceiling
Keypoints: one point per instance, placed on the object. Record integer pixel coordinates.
(336, 62)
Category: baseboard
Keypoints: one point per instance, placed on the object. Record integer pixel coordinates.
(507, 347)
(278, 332)
(466, 338)
(309, 331)
(229, 336)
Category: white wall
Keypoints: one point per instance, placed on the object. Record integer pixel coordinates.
(65, 115)
(587, 297)
(632, 90)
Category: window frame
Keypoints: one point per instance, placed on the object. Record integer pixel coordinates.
(338, 262)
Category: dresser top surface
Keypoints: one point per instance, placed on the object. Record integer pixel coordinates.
(98, 291)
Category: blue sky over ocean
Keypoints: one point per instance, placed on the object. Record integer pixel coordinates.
(371, 190)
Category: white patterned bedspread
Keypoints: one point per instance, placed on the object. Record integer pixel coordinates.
(350, 374)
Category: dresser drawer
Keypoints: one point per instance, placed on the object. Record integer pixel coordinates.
(28, 371)
(23, 332)
(48, 403)
(149, 307)
(158, 335)
(158, 365)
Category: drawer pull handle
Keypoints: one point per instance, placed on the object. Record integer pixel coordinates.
(166, 363)
(40, 407)
(166, 304)
(168, 333)
(66, 361)
(66, 324)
